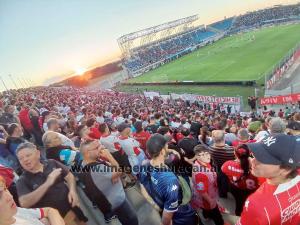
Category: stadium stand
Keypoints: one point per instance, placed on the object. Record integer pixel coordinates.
(273, 15)
(167, 49)
(156, 53)
(223, 25)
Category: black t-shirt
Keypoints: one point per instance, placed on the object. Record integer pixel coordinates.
(56, 196)
(152, 129)
(195, 128)
(188, 144)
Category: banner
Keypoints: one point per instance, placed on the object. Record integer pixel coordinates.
(165, 98)
(208, 99)
(201, 98)
(189, 97)
(280, 100)
(151, 94)
(175, 96)
(218, 100)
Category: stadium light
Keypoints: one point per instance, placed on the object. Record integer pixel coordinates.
(26, 83)
(3, 84)
(13, 81)
(22, 82)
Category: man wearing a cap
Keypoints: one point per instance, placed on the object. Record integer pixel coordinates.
(130, 146)
(163, 186)
(277, 201)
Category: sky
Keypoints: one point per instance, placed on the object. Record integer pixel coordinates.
(47, 40)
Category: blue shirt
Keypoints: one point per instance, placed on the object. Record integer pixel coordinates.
(166, 194)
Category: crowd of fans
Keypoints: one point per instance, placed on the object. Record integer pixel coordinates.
(182, 156)
(166, 49)
(269, 15)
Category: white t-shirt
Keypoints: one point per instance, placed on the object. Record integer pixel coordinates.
(261, 135)
(65, 140)
(29, 216)
(110, 142)
(118, 120)
(100, 119)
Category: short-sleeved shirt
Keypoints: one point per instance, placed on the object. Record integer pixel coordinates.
(273, 205)
(29, 216)
(113, 192)
(220, 155)
(234, 172)
(142, 138)
(65, 140)
(131, 147)
(152, 128)
(166, 185)
(204, 181)
(56, 196)
(110, 142)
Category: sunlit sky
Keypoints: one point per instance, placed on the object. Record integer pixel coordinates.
(47, 40)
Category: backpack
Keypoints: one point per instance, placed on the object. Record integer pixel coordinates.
(184, 189)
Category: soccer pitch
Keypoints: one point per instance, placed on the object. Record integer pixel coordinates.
(241, 57)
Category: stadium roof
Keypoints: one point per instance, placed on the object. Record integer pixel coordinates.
(158, 28)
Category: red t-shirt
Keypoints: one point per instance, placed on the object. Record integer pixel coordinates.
(25, 120)
(142, 137)
(273, 205)
(234, 172)
(204, 181)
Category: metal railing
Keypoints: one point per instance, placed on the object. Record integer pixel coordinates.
(270, 73)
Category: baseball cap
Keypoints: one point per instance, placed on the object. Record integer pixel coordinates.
(155, 144)
(280, 149)
(123, 126)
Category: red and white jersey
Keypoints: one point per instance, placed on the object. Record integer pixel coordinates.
(204, 181)
(234, 172)
(273, 205)
(29, 216)
(142, 138)
(111, 143)
(132, 149)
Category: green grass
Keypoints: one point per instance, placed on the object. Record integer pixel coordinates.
(235, 58)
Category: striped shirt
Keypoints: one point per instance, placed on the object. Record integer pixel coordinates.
(220, 155)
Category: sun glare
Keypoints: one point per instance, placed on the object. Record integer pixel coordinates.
(80, 71)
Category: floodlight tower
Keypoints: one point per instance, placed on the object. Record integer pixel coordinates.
(4, 84)
(13, 81)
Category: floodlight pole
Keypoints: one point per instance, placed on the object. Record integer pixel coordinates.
(4, 84)
(13, 81)
(31, 82)
(22, 85)
(23, 82)
(26, 82)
